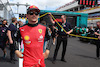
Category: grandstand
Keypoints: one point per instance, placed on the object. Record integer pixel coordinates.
(93, 12)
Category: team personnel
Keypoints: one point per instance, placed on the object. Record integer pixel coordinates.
(5, 23)
(12, 29)
(33, 35)
(62, 37)
(3, 38)
(97, 33)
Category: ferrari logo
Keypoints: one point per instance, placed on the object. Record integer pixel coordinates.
(40, 30)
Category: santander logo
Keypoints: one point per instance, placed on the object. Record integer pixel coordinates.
(40, 39)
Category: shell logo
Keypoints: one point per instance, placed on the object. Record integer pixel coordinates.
(27, 40)
(26, 37)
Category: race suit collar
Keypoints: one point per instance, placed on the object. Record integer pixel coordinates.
(32, 25)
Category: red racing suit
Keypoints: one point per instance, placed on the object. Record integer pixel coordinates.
(33, 39)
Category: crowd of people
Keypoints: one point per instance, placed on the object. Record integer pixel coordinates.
(36, 38)
(7, 37)
(83, 30)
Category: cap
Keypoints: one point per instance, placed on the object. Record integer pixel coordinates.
(33, 7)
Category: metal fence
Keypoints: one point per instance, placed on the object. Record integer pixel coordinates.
(5, 11)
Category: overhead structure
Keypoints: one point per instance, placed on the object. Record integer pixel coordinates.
(18, 4)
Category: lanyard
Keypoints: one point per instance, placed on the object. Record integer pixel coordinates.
(14, 25)
(63, 27)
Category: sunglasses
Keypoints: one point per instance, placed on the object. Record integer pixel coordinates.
(31, 13)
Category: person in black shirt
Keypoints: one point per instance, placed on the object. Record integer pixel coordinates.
(62, 37)
(97, 33)
(12, 29)
(3, 38)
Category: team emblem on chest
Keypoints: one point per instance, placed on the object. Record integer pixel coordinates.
(40, 31)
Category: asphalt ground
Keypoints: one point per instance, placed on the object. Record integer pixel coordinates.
(78, 54)
(6, 62)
